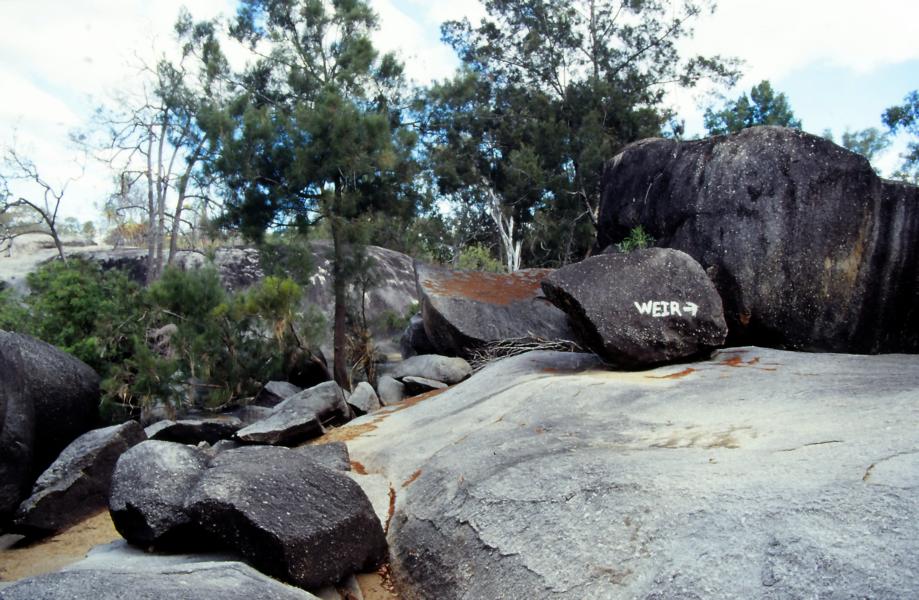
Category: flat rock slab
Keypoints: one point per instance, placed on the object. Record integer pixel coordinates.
(300, 417)
(288, 516)
(193, 581)
(464, 311)
(77, 484)
(755, 474)
(643, 308)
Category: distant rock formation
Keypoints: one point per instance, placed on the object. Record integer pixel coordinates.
(807, 246)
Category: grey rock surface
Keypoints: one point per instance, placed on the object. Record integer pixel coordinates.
(275, 392)
(807, 246)
(448, 369)
(390, 391)
(364, 399)
(464, 311)
(48, 398)
(288, 516)
(77, 484)
(300, 417)
(421, 385)
(331, 455)
(194, 431)
(642, 308)
(125, 574)
(755, 474)
(149, 487)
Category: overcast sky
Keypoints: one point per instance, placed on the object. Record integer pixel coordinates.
(840, 62)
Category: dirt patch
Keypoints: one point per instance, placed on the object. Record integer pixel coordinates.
(378, 585)
(58, 551)
(488, 288)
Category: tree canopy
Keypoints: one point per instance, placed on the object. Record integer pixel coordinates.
(762, 107)
(905, 118)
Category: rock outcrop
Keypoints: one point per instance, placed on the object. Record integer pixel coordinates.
(77, 484)
(642, 308)
(288, 516)
(465, 311)
(808, 248)
(755, 474)
(48, 398)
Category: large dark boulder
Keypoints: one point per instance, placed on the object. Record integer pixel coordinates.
(642, 308)
(47, 399)
(808, 248)
(77, 484)
(149, 487)
(288, 516)
(464, 311)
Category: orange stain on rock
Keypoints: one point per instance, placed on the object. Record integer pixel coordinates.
(680, 375)
(411, 479)
(358, 468)
(490, 288)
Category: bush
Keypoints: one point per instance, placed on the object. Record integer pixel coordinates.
(637, 239)
(478, 258)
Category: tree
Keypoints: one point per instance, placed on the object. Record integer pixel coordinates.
(762, 107)
(21, 214)
(868, 142)
(316, 134)
(905, 118)
(550, 90)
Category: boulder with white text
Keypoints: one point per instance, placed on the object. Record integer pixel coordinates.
(643, 308)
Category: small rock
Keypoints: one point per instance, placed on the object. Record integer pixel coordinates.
(421, 385)
(275, 392)
(364, 399)
(390, 391)
(450, 370)
(289, 517)
(149, 487)
(77, 484)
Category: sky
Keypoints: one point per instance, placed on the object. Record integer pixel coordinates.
(839, 62)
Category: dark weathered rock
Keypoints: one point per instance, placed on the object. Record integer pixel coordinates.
(48, 398)
(414, 340)
(275, 392)
(194, 431)
(466, 310)
(289, 517)
(192, 581)
(77, 484)
(808, 248)
(421, 385)
(333, 455)
(642, 308)
(300, 417)
(364, 399)
(149, 487)
(756, 474)
(390, 391)
(450, 370)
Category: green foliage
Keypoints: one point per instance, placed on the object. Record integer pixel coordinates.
(868, 142)
(476, 257)
(637, 239)
(13, 313)
(762, 107)
(904, 118)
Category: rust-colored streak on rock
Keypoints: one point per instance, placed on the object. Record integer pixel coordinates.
(734, 361)
(680, 375)
(392, 509)
(411, 479)
(358, 468)
(490, 288)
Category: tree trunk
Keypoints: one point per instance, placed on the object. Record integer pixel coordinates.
(161, 187)
(151, 210)
(339, 362)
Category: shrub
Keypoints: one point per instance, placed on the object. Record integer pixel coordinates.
(637, 239)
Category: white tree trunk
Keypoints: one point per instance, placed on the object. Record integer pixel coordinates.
(505, 225)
